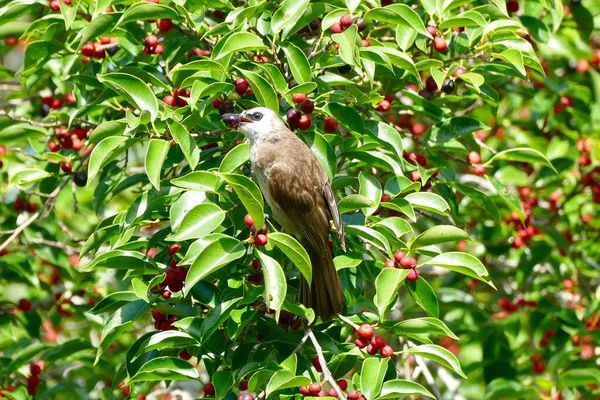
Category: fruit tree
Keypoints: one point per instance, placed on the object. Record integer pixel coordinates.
(461, 140)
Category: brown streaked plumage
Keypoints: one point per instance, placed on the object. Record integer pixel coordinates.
(297, 189)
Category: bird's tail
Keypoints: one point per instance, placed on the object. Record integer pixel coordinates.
(324, 295)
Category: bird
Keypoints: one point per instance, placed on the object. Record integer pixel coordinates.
(297, 189)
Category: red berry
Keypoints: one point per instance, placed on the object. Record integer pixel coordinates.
(299, 98)
(170, 100)
(164, 25)
(479, 170)
(539, 368)
(378, 342)
(308, 107)
(432, 30)
(66, 167)
(342, 383)
(34, 369)
(412, 276)
(151, 41)
(332, 392)
(174, 248)
(54, 6)
(431, 85)
(209, 390)
(166, 294)
(549, 334)
(353, 395)
(315, 388)
(383, 106)
(330, 125)
(389, 264)
(408, 262)
(417, 129)
(293, 116)
(336, 28)
(261, 240)
(216, 103)
(88, 49)
(11, 41)
(371, 350)
(439, 44)
(243, 385)
(25, 305)
(316, 364)
(185, 355)
(399, 255)
(387, 351)
(365, 43)
(366, 331)
(248, 221)
(512, 6)
(158, 316)
(304, 391)
(304, 122)
(361, 343)
(56, 104)
(345, 20)
(241, 86)
(31, 207)
(474, 157)
(33, 381)
(159, 49)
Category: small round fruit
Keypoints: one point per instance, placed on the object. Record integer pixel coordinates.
(151, 41)
(315, 388)
(389, 264)
(159, 49)
(366, 331)
(185, 355)
(66, 167)
(11, 41)
(365, 43)
(174, 248)
(385, 198)
(170, 100)
(479, 170)
(209, 389)
(361, 343)
(248, 221)
(88, 49)
(412, 276)
(80, 178)
(512, 6)
(432, 30)
(245, 396)
(308, 107)
(399, 255)
(225, 107)
(336, 28)
(293, 115)
(474, 157)
(408, 262)
(383, 106)
(448, 86)
(299, 98)
(164, 25)
(166, 294)
(261, 240)
(387, 351)
(353, 395)
(378, 342)
(241, 86)
(345, 20)
(431, 84)
(304, 391)
(439, 44)
(371, 350)
(417, 129)
(304, 122)
(330, 125)
(158, 316)
(34, 369)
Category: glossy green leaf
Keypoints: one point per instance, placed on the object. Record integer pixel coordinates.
(213, 257)
(424, 325)
(202, 181)
(398, 14)
(239, 42)
(353, 202)
(264, 92)
(521, 154)
(235, 158)
(199, 222)
(464, 263)
(288, 13)
(249, 194)
(298, 62)
(439, 355)
(370, 188)
(372, 374)
(424, 295)
(428, 201)
(165, 368)
(440, 234)
(294, 251)
(145, 11)
(387, 284)
(275, 283)
(185, 141)
(155, 156)
(133, 90)
(397, 388)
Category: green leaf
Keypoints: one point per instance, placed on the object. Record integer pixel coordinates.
(213, 257)
(299, 65)
(521, 154)
(348, 117)
(372, 374)
(579, 377)
(107, 129)
(386, 135)
(353, 202)
(120, 259)
(322, 150)
(264, 92)
(399, 388)
(186, 142)
(424, 295)
(155, 157)
(27, 176)
(348, 49)
(348, 260)
(98, 27)
(479, 198)
(101, 153)
(451, 129)
(463, 263)
(249, 194)
(199, 222)
(140, 289)
(428, 201)
(370, 188)
(515, 58)
(439, 355)
(202, 181)
(235, 158)
(387, 284)
(133, 90)
(145, 10)
(370, 236)
(166, 340)
(424, 326)
(121, 321)
(440, 234)
(288, 13)
(240, 42)
(165, 368)
(294, 251)
(398, 14)
(114, 301)
(284, 380)
(275, 283)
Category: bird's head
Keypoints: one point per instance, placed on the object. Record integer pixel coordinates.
(257, 123)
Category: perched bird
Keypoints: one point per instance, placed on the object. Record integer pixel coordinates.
(296, 187)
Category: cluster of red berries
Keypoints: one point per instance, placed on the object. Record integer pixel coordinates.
(474, 158)
(295, 118)
(260, 236)
(35, 369)
(176, 99)
(587, 349)
(507, 307)
(67, 139)
(315, 389)
(415, 158)
(538, 363)
(174, 276)
(372, 343)
(439, 42)
(21, 204)
(151, 45)
(404, 261)
(54, 103)
(545, 341)
(385, 104)
(55, 6)
(164, 322)
(126, 390)
(345, 22)
(98, 50)
(242, 87)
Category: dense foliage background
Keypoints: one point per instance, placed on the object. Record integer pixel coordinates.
(464, 134)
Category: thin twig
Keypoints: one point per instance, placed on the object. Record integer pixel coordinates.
(326, 373)
(348, 321)
(58, 245)
(302, 341)
(30, 121)
(206, 134)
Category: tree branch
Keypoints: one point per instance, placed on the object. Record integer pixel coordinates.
(326, 373)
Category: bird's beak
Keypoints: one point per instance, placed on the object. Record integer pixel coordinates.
(234, 120)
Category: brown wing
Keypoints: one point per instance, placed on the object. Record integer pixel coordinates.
(334, 213)
(298, 194)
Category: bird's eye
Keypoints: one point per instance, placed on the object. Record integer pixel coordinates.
(257, 116)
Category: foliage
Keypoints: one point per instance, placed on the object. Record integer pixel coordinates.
(469, 151)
